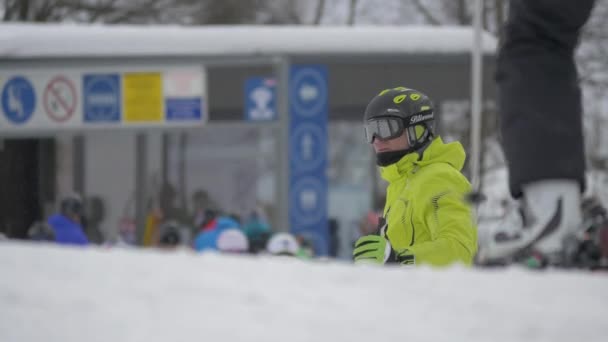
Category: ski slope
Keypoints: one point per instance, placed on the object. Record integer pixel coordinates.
(50, 293)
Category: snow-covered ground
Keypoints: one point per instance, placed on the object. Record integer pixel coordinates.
(49, 293)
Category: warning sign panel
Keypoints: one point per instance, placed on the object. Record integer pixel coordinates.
(142, 96)
(60, 99)
(102, 97)
(184, 95)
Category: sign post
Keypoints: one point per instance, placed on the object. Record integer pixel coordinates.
(308, 107)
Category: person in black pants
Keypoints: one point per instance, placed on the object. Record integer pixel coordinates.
(539, 101)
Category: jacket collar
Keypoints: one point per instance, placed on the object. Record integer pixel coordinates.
(437, 151)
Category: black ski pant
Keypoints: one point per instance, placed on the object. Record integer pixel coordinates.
(539, 97)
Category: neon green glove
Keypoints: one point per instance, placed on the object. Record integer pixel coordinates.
(372, 249)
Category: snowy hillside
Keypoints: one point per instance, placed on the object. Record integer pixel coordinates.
(50, 293)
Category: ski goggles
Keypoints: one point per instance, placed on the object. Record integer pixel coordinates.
(383, 128)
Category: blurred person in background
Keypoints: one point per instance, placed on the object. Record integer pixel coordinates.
(235, 217)
(286, 244)
(204, 209)
(173, 235)
(66, 224)
(170, 236)
(209, 221)
(40, 231)
(232, 241)
(427, 219)
(207, 239)
(366, 225)
(153, 221)
(540, 109)
(370, 223)
(282, 244)
(257, 231)
(306, 248)
(171, 206)
(334, 237)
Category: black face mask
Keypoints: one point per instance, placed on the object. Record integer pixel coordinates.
(390, 157)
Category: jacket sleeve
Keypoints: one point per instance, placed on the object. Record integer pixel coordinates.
(80, 238)
(452, 227)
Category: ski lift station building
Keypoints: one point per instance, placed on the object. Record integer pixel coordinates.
(118, 112)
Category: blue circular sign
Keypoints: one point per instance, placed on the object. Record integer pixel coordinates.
(309, 201)
(308, 147)
(18, 100)
(308, 92)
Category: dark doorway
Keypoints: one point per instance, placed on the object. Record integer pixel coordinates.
(27, 179)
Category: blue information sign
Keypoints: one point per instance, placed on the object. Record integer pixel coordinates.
(308, 154)
(102, 100)
(260, 99)
(18, 99)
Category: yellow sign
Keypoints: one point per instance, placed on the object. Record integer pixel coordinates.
(143, 99)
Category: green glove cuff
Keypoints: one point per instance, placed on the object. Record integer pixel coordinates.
(404, 257)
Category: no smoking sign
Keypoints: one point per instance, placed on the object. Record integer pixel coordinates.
(60, 99)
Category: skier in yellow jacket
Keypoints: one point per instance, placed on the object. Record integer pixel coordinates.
(427, 219)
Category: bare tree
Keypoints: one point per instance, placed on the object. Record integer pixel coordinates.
(426, 13)
(352, 12)
(319, 12)
(592, 61)
(135, 11)
(223, 12)
(592, 55)
(27, 10)
(462, 12)
(288, 12)
(108, 11)
(499, 17)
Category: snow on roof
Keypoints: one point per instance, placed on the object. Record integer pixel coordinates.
(71, 40)
(50, 293)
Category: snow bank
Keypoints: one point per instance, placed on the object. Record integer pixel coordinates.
(48, 293)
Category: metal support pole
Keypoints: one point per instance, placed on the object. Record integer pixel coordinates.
(182, 195)
(282, 189)
(141, 165)
(78, 165)
(164, 172)
(476, 95)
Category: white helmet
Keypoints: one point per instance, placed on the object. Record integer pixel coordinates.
(232, 240)
(282, 244)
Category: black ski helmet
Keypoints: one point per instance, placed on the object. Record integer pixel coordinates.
(170, 234)
(413, 108)
(71, 205)
(397, 110)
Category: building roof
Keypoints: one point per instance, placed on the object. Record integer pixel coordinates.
(72, 40)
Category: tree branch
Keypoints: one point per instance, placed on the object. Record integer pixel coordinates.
(44, 13)
(463, 16)
(426, 13)
(292, 13)
(24, 10)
